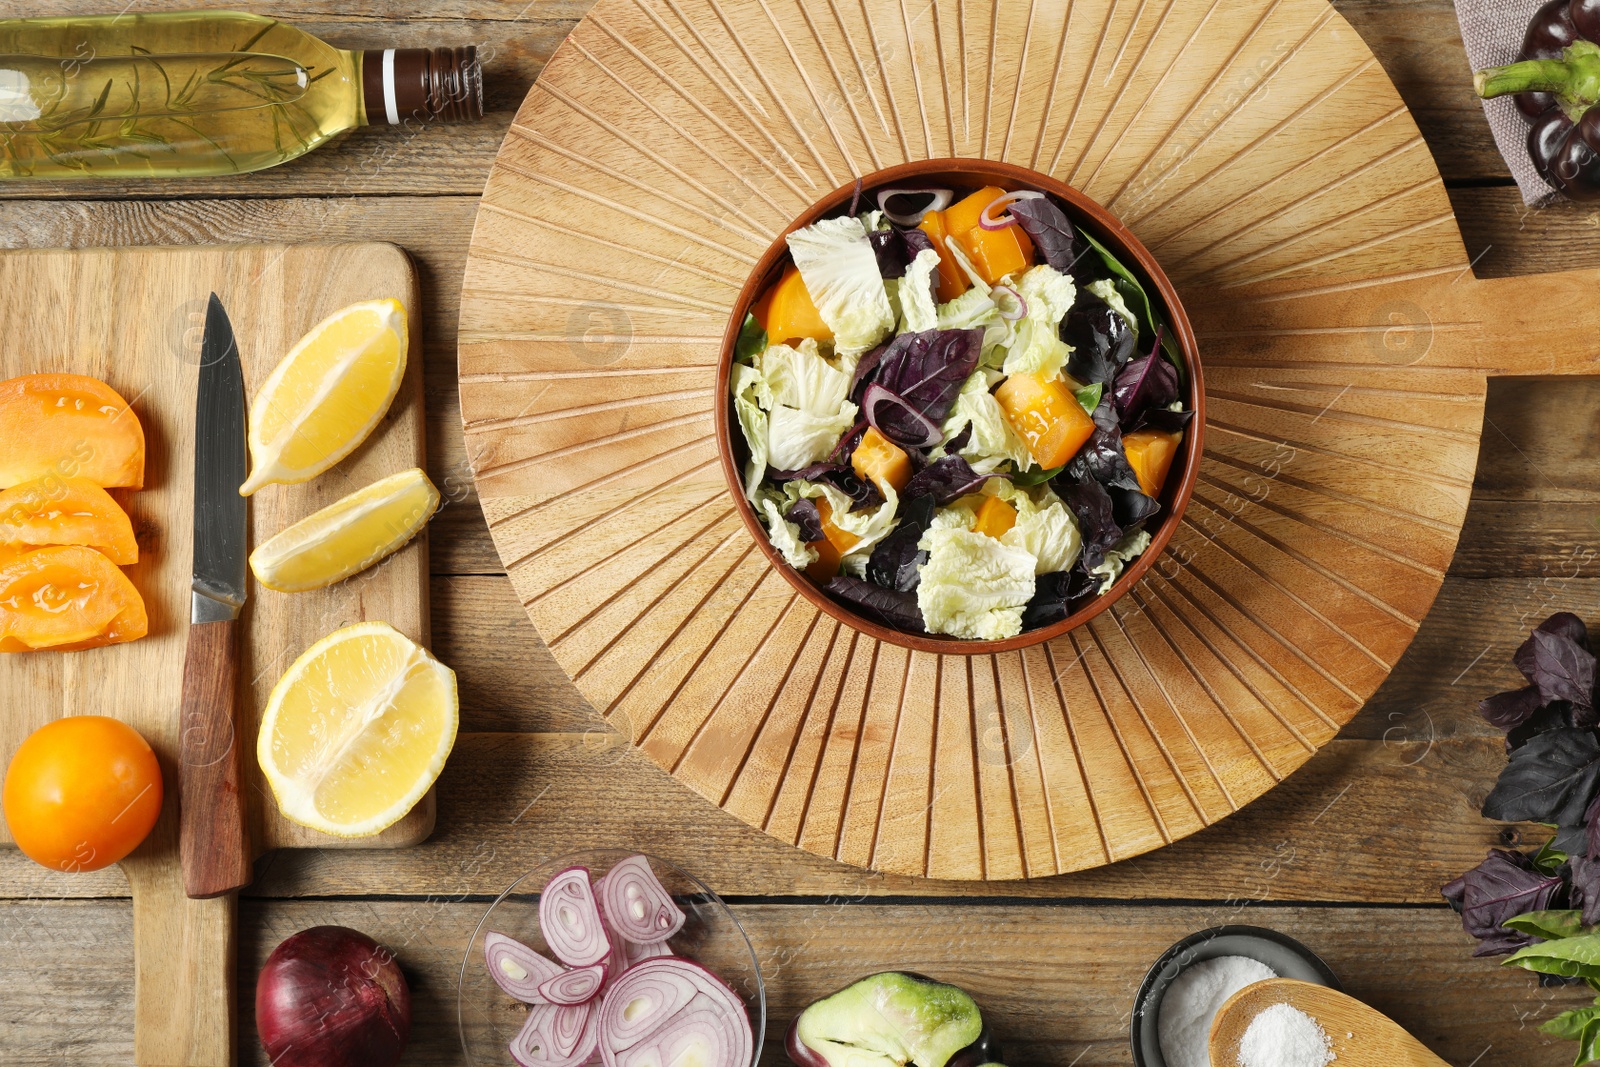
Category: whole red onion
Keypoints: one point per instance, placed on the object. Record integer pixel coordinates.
(332, 997)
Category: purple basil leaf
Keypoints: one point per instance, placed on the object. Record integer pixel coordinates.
(946, 479)
(896, 562)
(847, 444)
(928, 369)
(1131, 508)
(1572, 840)
(1102, 458)
(1161, 419)
(1551, 779)
(1551, 717)
(1057, 595)
(1101, 340)
(1591, 822)
(896, 248)
(1561, 668)
(862, 493)
(887, 606)
(1561, 624)
(1504, 885)
(1147, 382)
(1091, 505)
(1050, 231)
(805, 515)
(959, 441)
(1585, 891)
(866, 372)
(1512, 709)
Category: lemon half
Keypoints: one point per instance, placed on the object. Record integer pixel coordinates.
(348, 536)
(357, 730)
(327, 394)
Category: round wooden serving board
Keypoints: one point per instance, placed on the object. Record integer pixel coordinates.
(1260, 152)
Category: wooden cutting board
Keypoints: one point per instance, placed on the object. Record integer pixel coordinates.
(133, 317)
(1256, 147)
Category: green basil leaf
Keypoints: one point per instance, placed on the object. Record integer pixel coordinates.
(1588, 1044)
(1089, 396)
(1138, 302)
(1550, 925)
(752, 341)
(1036, 476)
(1572, 957)
(1549, 858)
(1568, 1026)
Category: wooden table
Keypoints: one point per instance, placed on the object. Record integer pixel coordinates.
(1347, 855)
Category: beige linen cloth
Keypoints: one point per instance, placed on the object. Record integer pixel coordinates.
(1492, 31)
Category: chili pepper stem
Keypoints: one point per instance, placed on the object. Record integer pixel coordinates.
(1574, 79)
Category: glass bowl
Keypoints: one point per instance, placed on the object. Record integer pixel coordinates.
(489, 1017)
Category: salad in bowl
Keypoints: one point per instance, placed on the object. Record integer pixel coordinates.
(956, 412)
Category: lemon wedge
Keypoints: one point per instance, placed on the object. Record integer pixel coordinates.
(327, 395)
(357, 730)
(348, 536)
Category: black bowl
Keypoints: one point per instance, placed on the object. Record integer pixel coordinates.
(1286, 956)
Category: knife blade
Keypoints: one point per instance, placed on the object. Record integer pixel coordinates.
(211, 804)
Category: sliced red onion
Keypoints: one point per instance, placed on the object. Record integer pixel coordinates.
(664, 1007)
(917, 431)
(577, 986)
(941, 200)
(990, 221)
(557, 1035)
(639, 953)
(636, 904)
(516, 968)
(1018, 312)
(570, 919)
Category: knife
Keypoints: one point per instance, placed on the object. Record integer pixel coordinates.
(211, 804)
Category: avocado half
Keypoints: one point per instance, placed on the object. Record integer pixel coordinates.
(892, 1019)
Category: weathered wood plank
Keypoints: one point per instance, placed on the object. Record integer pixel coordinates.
(1055, 983)
(1367, 820)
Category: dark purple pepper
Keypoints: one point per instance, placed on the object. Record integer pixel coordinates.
(1556, 83)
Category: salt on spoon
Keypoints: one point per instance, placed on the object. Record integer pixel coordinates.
(1298, 1024)
(1183, 1019)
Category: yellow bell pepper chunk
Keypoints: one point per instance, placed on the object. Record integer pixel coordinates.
(881, 462)
(833, 546)
(1150, 453)
(791, 315)
(995, 253)
(995, 517)
(1046, 415)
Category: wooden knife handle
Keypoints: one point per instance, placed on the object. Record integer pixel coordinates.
(211, 807)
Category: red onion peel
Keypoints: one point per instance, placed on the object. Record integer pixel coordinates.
(990, 221)
(332, 997)
(940, 200)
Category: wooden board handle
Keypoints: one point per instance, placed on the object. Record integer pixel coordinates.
(183, 951)
(212, 820)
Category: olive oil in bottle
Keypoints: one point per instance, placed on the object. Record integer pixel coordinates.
(185, 94)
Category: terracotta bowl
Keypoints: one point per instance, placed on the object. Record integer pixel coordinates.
(1084, 213)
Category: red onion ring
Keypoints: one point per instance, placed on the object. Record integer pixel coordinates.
(570, 919)
(941, 200)
(1021, 308)
(577, 986)
(876, 395)
(557, 1035)
(661, 1005)
(516, 968)
(989, 221)
(636, 904)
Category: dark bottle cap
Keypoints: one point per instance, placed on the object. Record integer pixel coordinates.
(422, 84)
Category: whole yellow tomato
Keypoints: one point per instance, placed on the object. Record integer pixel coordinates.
(81, 793)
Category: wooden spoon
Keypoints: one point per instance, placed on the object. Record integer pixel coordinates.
(1361, 1036)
